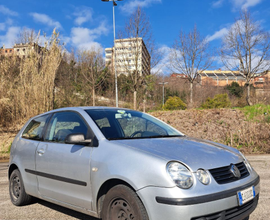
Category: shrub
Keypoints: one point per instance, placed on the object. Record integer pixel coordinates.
(219, 101)
(235, 89)
(174, 103)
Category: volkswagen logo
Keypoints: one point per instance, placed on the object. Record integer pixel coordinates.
(235, 171)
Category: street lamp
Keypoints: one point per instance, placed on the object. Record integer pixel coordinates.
(163, 83)
(114, 64)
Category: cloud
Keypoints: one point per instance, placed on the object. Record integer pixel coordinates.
(83, 15)
(6, 11)
(217, 4)
(84, 38)
(163, 65)
(244, 4)
(7, 23)
(131, 5)
(45, 19)
(217, 35)
(10, 37)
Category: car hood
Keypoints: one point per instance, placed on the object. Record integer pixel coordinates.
(194, 153)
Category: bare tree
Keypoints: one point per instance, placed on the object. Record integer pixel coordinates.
(27, 36)
(190, 55)
(246, 48)
(92, 65)
(136, 52)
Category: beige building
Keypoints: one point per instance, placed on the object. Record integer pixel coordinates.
(131, 55)
(22, 50)
(221, 77)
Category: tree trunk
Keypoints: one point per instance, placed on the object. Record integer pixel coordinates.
(191, 94)
(135, 100)
(248, 95)
(94, 96)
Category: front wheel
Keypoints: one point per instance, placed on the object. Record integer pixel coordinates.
(17, 193)
(122, 203)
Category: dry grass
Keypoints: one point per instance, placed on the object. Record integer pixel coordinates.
(227, 126)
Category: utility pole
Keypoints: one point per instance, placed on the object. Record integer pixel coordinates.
(163, 85)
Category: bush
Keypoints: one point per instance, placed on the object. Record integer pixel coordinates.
(219, 101)
(235, 89)
(174, 103)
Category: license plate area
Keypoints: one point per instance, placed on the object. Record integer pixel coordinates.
(246, 195)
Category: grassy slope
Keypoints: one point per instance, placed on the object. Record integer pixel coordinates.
(247, 128)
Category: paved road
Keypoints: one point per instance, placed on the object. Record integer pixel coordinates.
(43, 210)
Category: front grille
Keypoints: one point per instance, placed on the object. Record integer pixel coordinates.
(223, 174)
(236, 213)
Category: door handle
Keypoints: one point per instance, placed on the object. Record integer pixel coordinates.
(40, 152)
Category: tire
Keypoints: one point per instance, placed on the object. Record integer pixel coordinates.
(247, 218)
(17, 193)
(121, 202)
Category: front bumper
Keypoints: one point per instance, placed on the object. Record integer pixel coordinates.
(221, 206)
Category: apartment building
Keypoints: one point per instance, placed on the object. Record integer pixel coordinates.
(131, 55)
(22, 50)
(6, 51)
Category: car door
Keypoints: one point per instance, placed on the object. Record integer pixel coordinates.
(26, 148)
(63, 170)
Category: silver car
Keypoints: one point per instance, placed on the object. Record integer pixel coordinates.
(115, 163)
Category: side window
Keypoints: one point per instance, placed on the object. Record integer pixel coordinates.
(35, 128)
(64, 123)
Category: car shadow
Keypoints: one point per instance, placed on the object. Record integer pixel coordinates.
(64, 210)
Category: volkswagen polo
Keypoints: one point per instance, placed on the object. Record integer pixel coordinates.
(115, 163)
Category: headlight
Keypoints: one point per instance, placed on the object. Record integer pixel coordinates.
(246, 162)
(203, 176)
(180, 175)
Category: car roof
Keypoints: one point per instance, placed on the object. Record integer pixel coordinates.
(79, 108)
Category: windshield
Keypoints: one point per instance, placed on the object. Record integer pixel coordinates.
(118, 124)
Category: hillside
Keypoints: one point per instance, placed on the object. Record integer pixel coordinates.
(227, 126)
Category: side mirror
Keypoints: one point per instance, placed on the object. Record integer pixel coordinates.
(77, 139)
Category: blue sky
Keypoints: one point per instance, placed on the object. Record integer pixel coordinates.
(86, 23)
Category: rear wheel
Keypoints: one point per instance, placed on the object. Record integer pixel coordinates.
(17, 193)
(122, 203)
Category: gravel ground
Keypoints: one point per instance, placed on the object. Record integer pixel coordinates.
(43, 210)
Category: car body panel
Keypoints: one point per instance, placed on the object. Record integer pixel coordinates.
(159, 211)
(68, 167)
